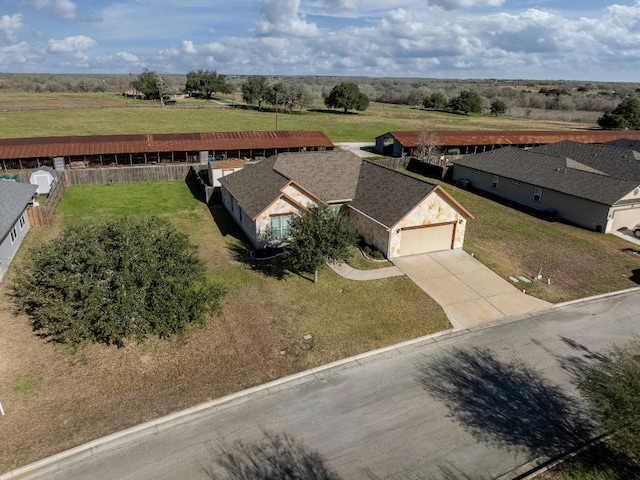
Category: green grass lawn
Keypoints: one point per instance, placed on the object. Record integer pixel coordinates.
(99, 114)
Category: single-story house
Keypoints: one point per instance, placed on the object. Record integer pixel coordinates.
(593, 186)
(398, 214)
(43, 177)
(400, 143)
(14, 222)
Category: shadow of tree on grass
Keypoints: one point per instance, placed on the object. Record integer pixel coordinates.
(505, 404)
(275, 457)
(272, 267)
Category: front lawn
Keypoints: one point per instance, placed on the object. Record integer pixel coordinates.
(56, 397)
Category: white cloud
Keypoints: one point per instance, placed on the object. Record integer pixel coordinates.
(10, 24)
(282, 18)
(70, 45)
(18, 53)
(61, 8)
(459, 4)
(128, 57)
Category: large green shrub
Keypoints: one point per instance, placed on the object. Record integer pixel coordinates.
(122, 279)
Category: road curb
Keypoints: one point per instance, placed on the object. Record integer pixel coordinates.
(63, 459)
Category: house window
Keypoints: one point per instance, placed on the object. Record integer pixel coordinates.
(22, 222)
(335, 208)
(537, 194)
(477, 172)
(14, 234)
(516, 182)
(280, 226)
(495, 180)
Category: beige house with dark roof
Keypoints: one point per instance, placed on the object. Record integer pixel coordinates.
(398, 214)
(593, 186)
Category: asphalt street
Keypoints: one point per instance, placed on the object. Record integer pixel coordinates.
(482, 403)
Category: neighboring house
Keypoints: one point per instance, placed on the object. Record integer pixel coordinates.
(14, 223)
(593, 186)
(398, 214)
(401, 143)
(43, 177)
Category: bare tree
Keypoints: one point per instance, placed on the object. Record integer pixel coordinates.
(429, 147)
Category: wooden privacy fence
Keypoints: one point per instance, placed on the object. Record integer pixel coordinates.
(95, 176)
(43, 214)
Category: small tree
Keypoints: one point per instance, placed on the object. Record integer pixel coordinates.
(152, 85)
(612, 388)
(467, 102)
(498, 107)
(111, 281)
(254, 90)
(625, 115)
(318, 235)
(347, 96)
(435, 101)
(206, 83)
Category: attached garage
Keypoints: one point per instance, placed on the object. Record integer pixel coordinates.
(625, 218)
(425, 239)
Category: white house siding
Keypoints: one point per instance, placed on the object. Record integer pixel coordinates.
(8, 248)
(245, 222)
(579, 211)
(433, 210)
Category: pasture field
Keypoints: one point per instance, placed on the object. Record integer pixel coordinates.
(36, 115)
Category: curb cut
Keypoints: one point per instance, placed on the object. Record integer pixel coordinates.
(59, 461)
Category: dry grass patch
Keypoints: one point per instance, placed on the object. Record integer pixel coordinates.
(56, 398)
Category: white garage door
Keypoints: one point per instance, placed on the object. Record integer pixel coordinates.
(627, 218)
(426, 239)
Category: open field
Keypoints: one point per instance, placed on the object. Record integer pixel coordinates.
(56, 398)
(104, 114)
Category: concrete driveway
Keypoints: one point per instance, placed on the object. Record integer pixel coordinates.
(469, 292)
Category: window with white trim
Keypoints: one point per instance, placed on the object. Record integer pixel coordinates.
(22, 222)
(537, 194)
(495, 181)
(14, 234)
(281, 226)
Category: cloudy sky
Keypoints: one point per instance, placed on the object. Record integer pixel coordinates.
(533, 39)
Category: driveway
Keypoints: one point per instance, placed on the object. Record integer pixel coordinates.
(627, 235)
(469, 292)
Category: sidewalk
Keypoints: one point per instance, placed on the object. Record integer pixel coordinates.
(351, 273)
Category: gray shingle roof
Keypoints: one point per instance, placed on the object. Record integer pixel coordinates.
(569, 176)
(387, 195)
(14, 197)
(384, 194)
(616, 162)
(332, 176)
(255, 186)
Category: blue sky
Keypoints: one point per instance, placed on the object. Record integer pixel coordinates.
(522, 39)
